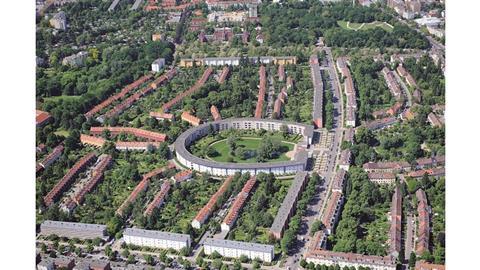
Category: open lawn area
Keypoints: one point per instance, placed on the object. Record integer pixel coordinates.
(365, 26)
(249, 144)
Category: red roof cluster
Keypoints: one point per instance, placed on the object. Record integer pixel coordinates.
(333, 206)
(41, 117)
(339, 180)
(190, 91)
(162, 116)
(430, 172)
(388, 166)
(423, 265)
(193, 120)
(408, 77)
(392, 83)
(68, 178)
(239, 202)
(118, 96)
(140, 133)
(91, 140)
(54, 155)
(261, 92)
(205, 212)
(143, 185)
(223, 75)
(97, 177)
(359, 259)
(159, 198)
(396, 223)
(277, 106)
(215, 113)
(139, 94)
(182, 176)
(423, 232)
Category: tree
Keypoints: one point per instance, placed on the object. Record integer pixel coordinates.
(131, 259)
(148, 259)
(89, 248)
(412, 260)
(284, 130)
(217, 263)
(237, 265)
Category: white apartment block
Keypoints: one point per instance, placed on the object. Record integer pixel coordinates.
(156, 239)
(158, 64)
(235, 249)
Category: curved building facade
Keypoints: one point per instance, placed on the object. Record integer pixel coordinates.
(222, 168)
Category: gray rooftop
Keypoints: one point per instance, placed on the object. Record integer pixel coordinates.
(72, 225)
(181, 143)
(287, 204)
(318, 90)
(157, 234)
(239, 245)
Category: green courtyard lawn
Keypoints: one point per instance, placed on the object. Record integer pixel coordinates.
(365, 26)
(249, 144)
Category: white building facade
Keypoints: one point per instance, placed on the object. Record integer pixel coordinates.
(235, 249)
(156, 239)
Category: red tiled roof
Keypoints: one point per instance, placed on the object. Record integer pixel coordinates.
(190, 91)
(141, 133)
(261, 92)
(159, 198)
(215, 113)
(158, 115)
(239, 202)
(224, 74)
(208, 208)
(41, 117)
(195, 121)
(182, 175)
(91, 140)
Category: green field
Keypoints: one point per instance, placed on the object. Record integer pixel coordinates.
(249, 144)
(365, 26)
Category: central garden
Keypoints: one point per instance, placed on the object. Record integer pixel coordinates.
(246, 146)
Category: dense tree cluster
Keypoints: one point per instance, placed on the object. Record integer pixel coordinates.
(430, 79)
(363, 226)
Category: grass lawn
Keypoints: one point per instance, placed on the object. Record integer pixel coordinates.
(58, 98)
(248, 143)
(364, 26)
(62, 132)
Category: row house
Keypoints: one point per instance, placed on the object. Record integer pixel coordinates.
(288, 207)
(381, 177)
(142, 186)
(138, 146)
(237, 249)
(342, 259)
(430, 162)
(237, 205)
(197, 24)
(349, 135)
(68, 178)
(223, 75)
(215, 113)
(139, 133)
(41, 118)
(408, 77)
(392, 83)
(289, 83)
(317, 92)
(407, 115)
(93, 264)
(345, 159)
(203, 79)
(220, 4)
(127, 89)
(193, 120)
(332, 211)
(92, 140)
(339, 181)
(63, 262)
(435, 120)
(281, 73)
(159, 198)
(434, 172)
(207, 210)
(97, 176)
(162, 116)
(156, 239)
(381, 123)
(183, 176)
(318, 242)
(52, 157)
(277, 106)
(423, 265)
(261, 92)
(423, 232)
(73, 229)
(387, 166)
(395, 235)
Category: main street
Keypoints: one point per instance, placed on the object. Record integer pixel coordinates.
(315, 207)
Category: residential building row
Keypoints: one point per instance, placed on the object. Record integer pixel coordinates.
(235, 60)
(75, 60)
(142, 186)
(381, 123)
(395, 235)
(52, 157)
(223, 76)
(433, 172)
(423, 229)
(158, 199)
(73, 229)
(238, 204)
(405, 74)
(382, 177)
(207, 210)
(277, 106)
(118, 109)
(41, 118)
(203, 79)
(68, 178)
(345, 159)
(119, 145)
(351, 102)
(392, 83)
(342, 259)
(137, 132)
(261, 92)
(117, 96)
(317, 92)
(156, 239)
(408, 9)
(288, 207)
(235, 249)
(215, 113)
(59, 21)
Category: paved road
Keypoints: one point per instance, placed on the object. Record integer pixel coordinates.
(410, 236)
